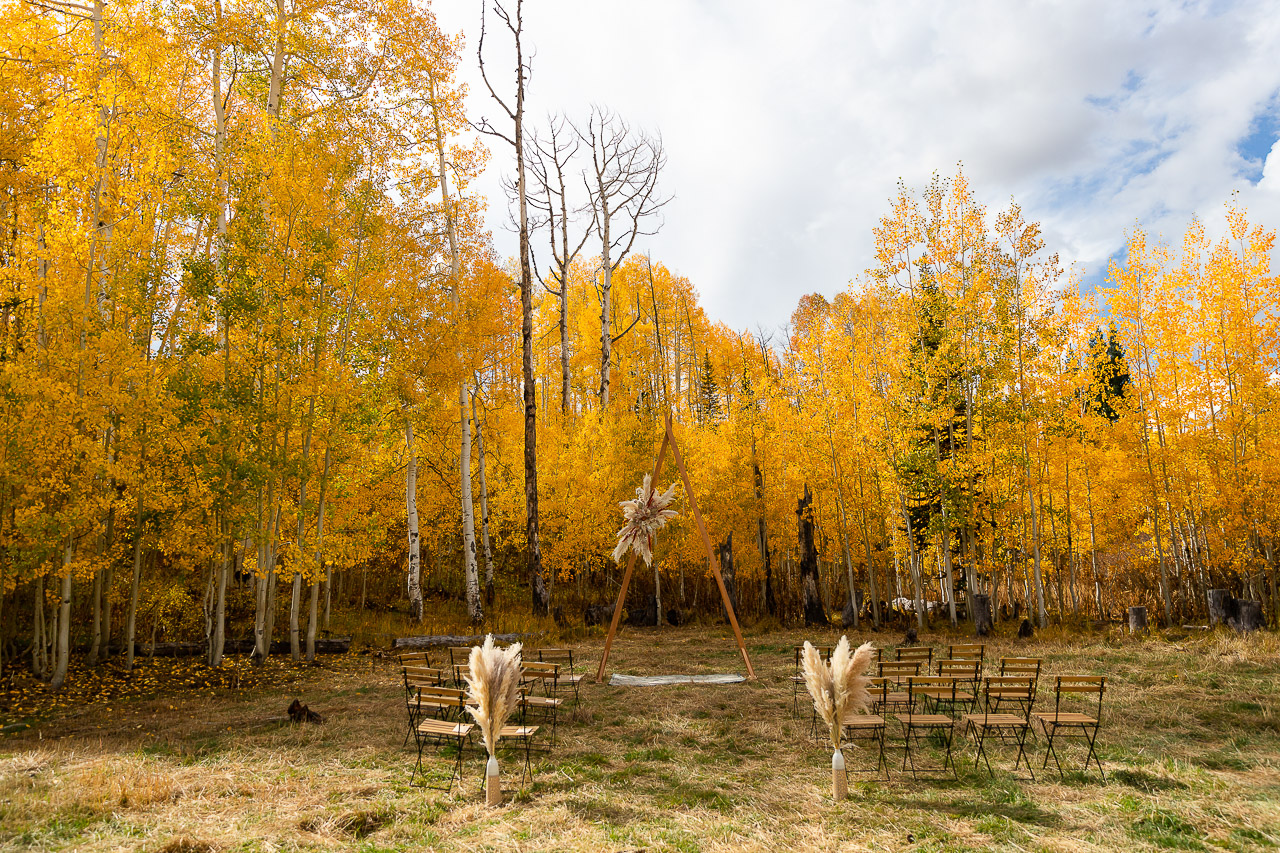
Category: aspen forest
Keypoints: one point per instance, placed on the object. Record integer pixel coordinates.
(261, 368)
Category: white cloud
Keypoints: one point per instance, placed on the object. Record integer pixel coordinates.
(787, 126)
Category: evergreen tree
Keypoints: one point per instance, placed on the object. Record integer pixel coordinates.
(1110, 373)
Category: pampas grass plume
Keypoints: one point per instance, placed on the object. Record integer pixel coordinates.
(840, 686)
(493, 686)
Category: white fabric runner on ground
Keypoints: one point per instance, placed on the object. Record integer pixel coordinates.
(619, 680)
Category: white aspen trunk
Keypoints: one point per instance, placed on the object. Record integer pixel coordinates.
(39, 660)
(564, 344)
(219, 125)
(295, 602)
(62, 653)
(104, 644)
(95, 630)
(475, 609)
(411, 501)
(947, 568)
(324, 574)
(484, 509)
(1042, 614)
(218, 641)
(606, 288)
(131, 621)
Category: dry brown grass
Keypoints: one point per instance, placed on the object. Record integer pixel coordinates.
(1191, 744)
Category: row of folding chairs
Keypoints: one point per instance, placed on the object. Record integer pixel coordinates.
(962, 660)
(934, 707)
(952, 695)
(436, 701)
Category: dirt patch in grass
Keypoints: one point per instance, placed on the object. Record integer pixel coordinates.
(1189, 744)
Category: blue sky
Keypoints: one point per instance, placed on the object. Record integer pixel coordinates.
(787, 126)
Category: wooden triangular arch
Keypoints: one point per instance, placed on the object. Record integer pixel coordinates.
(669, 440)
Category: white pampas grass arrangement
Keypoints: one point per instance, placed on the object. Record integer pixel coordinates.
(838, 687)
(644, 517)
(493, 688)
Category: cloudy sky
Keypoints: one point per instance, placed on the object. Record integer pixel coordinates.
(788, 125)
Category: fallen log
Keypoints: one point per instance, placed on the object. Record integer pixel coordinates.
(451, 640)
(326, 646)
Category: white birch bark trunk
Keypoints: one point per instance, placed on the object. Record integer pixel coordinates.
(484, 509)
(411, 501)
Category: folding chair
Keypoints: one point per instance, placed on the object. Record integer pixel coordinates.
(460, 664)
(1029, 667)
(923, 654)
(548, 674)
(966, 674)
(887, 696)
(444, 702)
(569, 679)
(1066, 686)
(870, 727)
(968, 651)
(797, 678)
(414, 678)
(523, 734)
(1019, 689)
(898, 671)
(920, 689)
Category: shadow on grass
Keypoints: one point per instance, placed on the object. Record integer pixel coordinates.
(1021, 811)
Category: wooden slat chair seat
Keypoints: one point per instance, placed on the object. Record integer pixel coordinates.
(1006, 727)
(546, 675)
(1029, 667)
(968, 651)
(919, 724)
(441, 702)
(898, 671)
(870, 727)
(415, 677)
(1068, 687)
(569, 678)
(966, 673)
(524, 735)
(442, 731)
(416, 658)
(923, 654)
(887, 696)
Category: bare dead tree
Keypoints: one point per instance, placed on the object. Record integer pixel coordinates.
(515, 113)
(622, 184)
(550, 160)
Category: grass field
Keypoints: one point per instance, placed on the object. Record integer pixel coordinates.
(1191, 745)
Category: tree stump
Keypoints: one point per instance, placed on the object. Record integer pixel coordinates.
(982, 614)
(814, 612)
(1137, 620)
(727, 573)
(1249, 618)
(1223, 607)
(1025, 630)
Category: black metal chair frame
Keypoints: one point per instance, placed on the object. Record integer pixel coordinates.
(909, 724)
(971, 682)
(1088, 727)
(797, 681)
(563, 657)
(461, 733)
(1006, 728)
(916, 653)
(874, 733)
(1023, 667)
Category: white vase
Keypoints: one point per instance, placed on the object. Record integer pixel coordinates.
(839, 781)
(492, 783)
